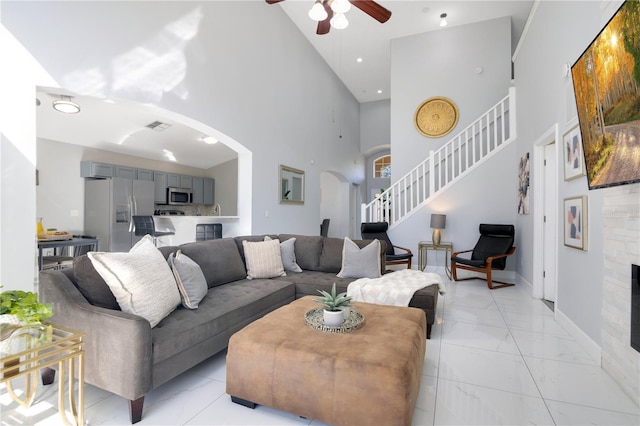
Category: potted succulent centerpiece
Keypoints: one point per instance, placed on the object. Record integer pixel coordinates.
(334, 305)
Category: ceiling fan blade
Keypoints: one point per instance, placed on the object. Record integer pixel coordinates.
(372, 9)
(325, 26)
(273, 1)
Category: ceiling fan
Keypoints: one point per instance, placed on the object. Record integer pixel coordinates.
(369, 7)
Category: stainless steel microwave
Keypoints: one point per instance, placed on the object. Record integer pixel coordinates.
(179, 196)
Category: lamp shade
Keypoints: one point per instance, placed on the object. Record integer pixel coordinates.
(438, 221)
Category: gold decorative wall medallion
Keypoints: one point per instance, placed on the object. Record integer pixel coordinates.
(436, 117)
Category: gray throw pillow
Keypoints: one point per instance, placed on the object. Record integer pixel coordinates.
(288, 254)
(190, 280)
(360, 262)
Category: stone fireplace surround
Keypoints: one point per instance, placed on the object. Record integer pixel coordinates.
(621, 218)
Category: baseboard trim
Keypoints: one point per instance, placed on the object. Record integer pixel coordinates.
(592, 348)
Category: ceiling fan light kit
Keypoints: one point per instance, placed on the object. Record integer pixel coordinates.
(66, 105)
(317, 12)
(340, 6)
(339, 21)
(331, 13)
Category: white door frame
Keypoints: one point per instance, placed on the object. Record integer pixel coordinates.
(551, 135)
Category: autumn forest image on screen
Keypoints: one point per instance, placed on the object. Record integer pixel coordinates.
(606, 81)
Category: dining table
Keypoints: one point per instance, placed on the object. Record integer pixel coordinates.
(75, 241)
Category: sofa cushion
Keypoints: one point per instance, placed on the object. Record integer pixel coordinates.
(219, 260)
(190, 280)
(307, 248)
(360, 262)
(263, 259)
(224, 310)
(91, 285)
(288, 254)
(141, 280)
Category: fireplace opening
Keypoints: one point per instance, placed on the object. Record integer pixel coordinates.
(635, 307)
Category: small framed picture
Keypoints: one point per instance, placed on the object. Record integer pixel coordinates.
(575, 222)
(573, 156)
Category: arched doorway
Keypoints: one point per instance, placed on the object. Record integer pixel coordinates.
(336, 204)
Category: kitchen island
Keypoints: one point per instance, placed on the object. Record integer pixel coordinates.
(185, 227)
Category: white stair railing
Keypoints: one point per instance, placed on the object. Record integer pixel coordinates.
(494, 130)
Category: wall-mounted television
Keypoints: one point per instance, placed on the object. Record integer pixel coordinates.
(606, 83)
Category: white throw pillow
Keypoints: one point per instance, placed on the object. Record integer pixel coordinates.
(263, 259)
(141, 280)
(360, 262)
(288, 254)
(192, 284)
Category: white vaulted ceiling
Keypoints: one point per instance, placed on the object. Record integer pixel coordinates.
(120, 126)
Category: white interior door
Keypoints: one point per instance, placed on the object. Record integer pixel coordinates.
(550, 222)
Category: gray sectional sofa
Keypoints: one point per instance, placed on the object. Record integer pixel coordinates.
(125, 356)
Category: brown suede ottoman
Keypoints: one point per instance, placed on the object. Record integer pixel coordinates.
(368, 376)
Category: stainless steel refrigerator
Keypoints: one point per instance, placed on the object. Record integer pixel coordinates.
(109, 205)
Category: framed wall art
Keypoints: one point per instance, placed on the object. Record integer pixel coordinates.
(573, 156)
(575, 222)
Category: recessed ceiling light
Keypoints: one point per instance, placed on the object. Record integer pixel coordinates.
(379, 90)
(359, 60)
(209, 140)
(109, 101)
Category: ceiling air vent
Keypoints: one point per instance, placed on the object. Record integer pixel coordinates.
(158, 126)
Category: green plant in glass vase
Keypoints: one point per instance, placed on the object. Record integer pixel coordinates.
(23, 310)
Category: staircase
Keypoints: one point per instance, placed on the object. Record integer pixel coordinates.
(494, 130)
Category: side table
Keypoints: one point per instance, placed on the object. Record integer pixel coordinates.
(425, 246)
(31, 349)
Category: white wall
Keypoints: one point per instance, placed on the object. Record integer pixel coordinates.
(226, 176)
(442, 63)
(593, 285)
(222, 64)
(558, 34)
(375, 130)
(17, 163)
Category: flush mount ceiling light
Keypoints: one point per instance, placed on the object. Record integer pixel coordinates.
(66, 105)
(443, 20)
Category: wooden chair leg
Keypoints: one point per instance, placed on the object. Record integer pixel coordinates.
(135, 409)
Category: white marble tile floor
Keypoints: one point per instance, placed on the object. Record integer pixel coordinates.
(495, 358)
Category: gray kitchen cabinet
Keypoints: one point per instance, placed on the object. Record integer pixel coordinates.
(186, 182)
(93, 169)
(144, 174)
(173, 180)
(209, 189)
(160, 180)
(126, 172)
(198, 190)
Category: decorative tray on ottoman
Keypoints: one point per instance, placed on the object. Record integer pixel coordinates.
(314, 319)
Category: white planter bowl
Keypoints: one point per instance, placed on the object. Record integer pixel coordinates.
(333, 319)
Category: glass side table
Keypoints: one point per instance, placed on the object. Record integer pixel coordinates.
(425, 246)
(30, 349)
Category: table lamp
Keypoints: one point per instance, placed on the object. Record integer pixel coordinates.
(438, 222)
